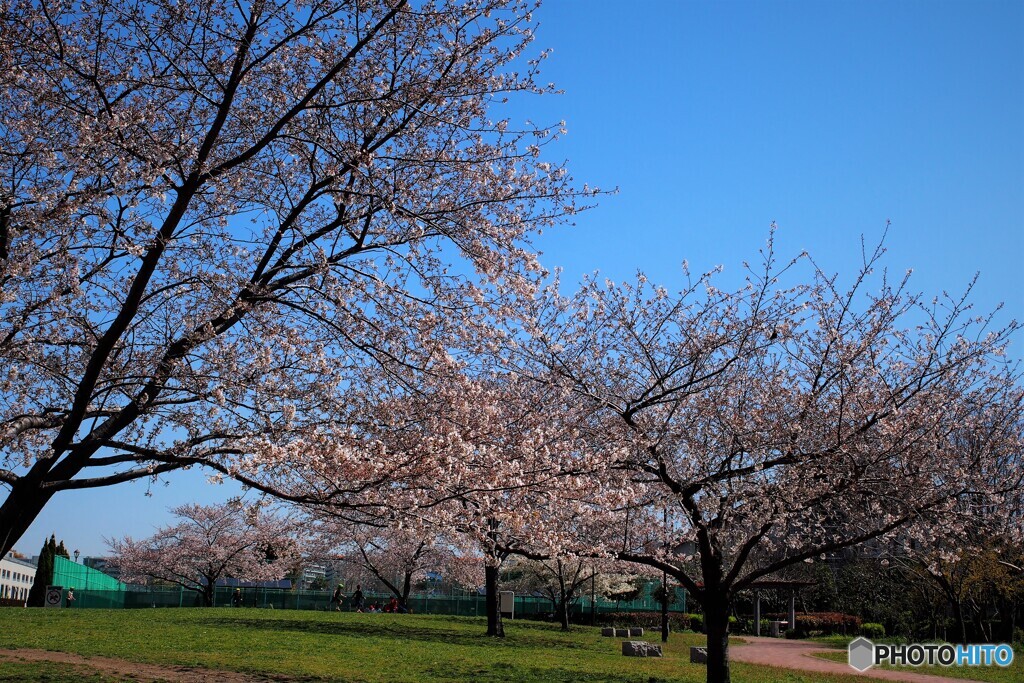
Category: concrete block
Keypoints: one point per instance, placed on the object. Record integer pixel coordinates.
(638, 648)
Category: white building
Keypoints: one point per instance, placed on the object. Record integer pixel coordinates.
(16, 577)
(313, 574)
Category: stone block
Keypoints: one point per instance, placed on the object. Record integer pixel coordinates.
(622, 633)
(698, 655)
(635, 632)
(638, 648)
(608, 632)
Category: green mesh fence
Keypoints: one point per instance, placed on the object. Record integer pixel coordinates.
(466, 604)
(73, 575)
(100, 599)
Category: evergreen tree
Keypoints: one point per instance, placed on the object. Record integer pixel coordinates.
(44, 573)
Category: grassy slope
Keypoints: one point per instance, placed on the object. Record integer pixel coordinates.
(356, 647)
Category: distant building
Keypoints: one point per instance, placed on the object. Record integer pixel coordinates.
(107, 565)
(16, 577)
(313, 575)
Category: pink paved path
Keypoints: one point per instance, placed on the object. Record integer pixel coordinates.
(798, 654)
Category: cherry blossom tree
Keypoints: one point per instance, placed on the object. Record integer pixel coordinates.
(508, 485)
(398, 557)
(209, 543)
(216, 218)
(562, 580)
(485, 459)
(774, 424)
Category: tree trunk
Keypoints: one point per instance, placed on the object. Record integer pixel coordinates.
(23, 504)
(593, 598)
(403, 599)
(563, 600)
(1013, 622)
(208, 590)
(959, 611)
(494, 626)
(664, 608)
(716, 624)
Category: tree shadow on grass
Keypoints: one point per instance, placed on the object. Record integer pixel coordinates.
(398, 630)
(501, 673)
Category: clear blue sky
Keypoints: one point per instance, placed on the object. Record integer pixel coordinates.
(715, 118)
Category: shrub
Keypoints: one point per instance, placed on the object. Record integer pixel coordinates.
(827, 623)
(696, 622)
(792, 634)
(870, 630)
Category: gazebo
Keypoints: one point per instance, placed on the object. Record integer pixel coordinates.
(776, 584)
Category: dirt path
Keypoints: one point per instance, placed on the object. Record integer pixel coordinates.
(133, 671)
(799, 654)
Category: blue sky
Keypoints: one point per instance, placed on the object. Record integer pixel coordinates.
(715, 119)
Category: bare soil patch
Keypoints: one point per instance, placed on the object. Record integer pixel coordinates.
(134, 671)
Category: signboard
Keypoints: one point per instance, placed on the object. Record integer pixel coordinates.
(507, 604)
(54, 596)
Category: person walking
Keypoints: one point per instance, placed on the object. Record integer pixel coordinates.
(336, 599)
(357, 599)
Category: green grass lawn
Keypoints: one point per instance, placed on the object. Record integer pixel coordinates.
(350, 647)
(991, 674)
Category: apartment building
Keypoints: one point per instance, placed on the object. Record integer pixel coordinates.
(16, 577)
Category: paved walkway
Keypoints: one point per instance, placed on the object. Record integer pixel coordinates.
(799, 654)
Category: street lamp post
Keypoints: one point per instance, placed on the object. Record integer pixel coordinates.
(76, 555)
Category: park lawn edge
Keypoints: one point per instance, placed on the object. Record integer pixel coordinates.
(359, 647)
